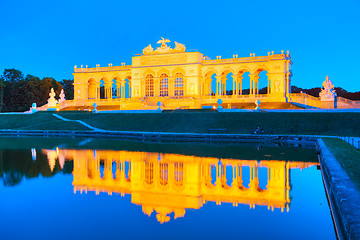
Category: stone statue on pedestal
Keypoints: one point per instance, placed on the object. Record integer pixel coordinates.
(62, 96)
(52, 101)
(327, 93)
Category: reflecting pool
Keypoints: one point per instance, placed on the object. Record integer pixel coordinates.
(77, 188)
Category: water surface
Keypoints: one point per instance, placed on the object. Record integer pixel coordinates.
(78, 188)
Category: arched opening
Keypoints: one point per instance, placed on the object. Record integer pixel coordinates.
(91, 89)
(263, 177)
(245, 176)
(102, 168)
(227, 176)
(149, 86)
(102, 89)
(127, 87)
(164, 85)
(115, 91)
(262, 83)
(243, 83)
(213, 173)
(210, 84)
(179, 85)
(226, 83)
(127, 169)
(114, 168)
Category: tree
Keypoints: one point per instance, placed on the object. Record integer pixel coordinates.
(12, 75)
(13, 79)
(68, 87)
(295, 89)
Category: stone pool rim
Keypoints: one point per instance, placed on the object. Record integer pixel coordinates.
(343, 196)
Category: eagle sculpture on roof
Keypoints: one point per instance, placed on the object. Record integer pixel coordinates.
(163, 42)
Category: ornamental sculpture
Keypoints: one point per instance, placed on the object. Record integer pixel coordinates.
(327, 93)
(52, 101)
(62, 96)
(164, 48)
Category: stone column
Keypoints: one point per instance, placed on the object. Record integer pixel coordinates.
(118, 90)
(223, 80)
(218, 85)
(130, 89)
(269, 83)
(235, 84)
(240, 79)
(123, 90)
(256, 85)
(252, 78)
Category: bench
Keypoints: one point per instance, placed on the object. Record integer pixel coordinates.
(264, 131)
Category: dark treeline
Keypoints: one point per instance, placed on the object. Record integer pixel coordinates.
(15, 165)
(339, 91)
(17, 92)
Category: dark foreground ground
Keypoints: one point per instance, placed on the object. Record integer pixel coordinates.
(345, 124)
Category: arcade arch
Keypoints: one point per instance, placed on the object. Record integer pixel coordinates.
(210, 83)
(243, 82)
(261, 81)
(127, 87)
(102, 91)
(226, 82)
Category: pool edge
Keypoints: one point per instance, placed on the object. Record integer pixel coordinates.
(343, 196)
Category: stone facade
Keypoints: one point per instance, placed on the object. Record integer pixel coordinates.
(180, 79)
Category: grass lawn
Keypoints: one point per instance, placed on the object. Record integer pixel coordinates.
(38, 121)
(348, 157)
(197, 122)
(194, 122)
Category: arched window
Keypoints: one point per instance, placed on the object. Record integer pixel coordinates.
(149, 86)
(149, 173)
(164, 85)
(179, 174)
(164, 167)
(179, 85)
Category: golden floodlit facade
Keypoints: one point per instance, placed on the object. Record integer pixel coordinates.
(181, 79)
(167, 183)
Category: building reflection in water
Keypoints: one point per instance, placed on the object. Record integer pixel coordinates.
(171, 183)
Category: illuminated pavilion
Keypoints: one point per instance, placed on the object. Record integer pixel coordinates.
(181, 79)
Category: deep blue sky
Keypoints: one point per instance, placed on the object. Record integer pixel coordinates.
(47, 38)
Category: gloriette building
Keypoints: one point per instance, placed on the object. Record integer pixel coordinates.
(180, 79)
